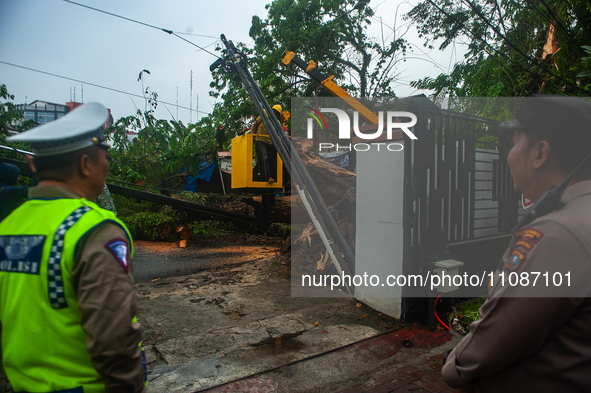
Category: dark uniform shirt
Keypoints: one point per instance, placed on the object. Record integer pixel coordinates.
(11, 196)
(525, 342)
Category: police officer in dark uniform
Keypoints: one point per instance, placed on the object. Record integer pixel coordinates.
(536, 336)
(67, 300)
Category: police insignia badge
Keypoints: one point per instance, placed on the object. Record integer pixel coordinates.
(119, 248)
(514, 261)
(526, 238)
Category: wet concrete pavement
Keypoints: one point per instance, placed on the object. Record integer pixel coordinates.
(219, 315)
(406, 360)
(160, 260)
(234, 321)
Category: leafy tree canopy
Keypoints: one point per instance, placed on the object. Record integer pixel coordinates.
(515, 47)
(330, 32)
(163, 148)
(10, 116)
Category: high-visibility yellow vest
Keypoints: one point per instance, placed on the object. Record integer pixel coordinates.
(262, 133)
(43, 344)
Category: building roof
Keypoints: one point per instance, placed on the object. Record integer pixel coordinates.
(40, 103)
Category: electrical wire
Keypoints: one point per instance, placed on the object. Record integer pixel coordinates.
(24, 153)
(435, 311)
(142, 23)
(95, 85)
(197, 35)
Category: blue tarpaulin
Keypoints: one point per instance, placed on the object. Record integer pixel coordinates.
(338, 158)
(205, 174)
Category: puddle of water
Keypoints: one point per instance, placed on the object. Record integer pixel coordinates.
(284, 348)
(234, 314)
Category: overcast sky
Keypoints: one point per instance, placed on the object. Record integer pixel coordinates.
(71, 41)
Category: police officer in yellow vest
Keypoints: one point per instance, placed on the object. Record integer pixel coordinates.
(67, 301)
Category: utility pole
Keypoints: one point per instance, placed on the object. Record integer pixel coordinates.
(197, 107)
(191, 100)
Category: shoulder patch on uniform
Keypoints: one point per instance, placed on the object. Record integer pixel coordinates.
(120, 250)
(526, 239)
(529, 234)
(524, 243)
(514, 261)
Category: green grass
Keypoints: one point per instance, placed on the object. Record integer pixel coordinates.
(469, 309)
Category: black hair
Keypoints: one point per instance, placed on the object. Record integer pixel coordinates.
(568, 154)
(61, 167)
(277, 114)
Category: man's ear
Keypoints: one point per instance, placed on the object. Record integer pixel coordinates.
(541, 153)
(84, 165)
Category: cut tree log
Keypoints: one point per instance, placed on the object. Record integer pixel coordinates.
(164, 230)
(184, 232)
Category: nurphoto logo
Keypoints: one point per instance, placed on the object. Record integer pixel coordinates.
(393, 122)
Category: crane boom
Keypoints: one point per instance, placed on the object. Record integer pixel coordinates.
(329, 84)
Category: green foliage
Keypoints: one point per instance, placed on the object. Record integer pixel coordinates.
(193, 197)
(217, 227)
(162, 148)
(587, 60)
(470, 310)
(144, 219)
(10, 115)
(126, 206)
(515, 48)
(231, 226)
(207, 228)
(145, 225)
(8, 112)
(328, 32)
(279, 230)
(334, 36)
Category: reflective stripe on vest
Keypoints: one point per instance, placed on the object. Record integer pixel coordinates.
(55, 281)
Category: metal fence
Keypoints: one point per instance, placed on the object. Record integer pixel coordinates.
(458, 185)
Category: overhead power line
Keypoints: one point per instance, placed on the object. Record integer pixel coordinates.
(95, 85)
(145, 24)
(197, 35)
